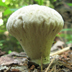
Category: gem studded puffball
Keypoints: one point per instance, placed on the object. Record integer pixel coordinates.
(35, 27)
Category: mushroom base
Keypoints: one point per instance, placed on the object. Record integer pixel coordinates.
(40, 61)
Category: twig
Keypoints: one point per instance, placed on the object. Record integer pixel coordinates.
(50, 64)
(65, 64)
(55, 68)
(41, 64)
(52, 69)
(60, 51)
(7, 69)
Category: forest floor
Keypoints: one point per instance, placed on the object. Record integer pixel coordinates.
(60, 61)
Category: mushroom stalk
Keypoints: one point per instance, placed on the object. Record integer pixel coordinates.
(35, 27)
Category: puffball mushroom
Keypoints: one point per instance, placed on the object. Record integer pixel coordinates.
(35, 27)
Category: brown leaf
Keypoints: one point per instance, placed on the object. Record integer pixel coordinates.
(1, 53)
(4, 60)
(32, 67)
(15, 70)
(57, 45)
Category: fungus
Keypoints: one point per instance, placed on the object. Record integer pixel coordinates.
(35, 27)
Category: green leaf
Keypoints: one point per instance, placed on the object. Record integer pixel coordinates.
(2, 41)
(68, 42)
(62, 35)
(13, 9)
(55, 0)
(70, 4)
(3, 4)
(2, 31)
(9, 51)
(7, 11)
(40, 2)
(66, 29)
(1, 44)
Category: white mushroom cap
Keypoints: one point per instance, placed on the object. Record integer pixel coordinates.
(35, 28)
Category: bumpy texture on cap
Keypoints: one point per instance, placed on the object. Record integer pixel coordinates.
(35, 27)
